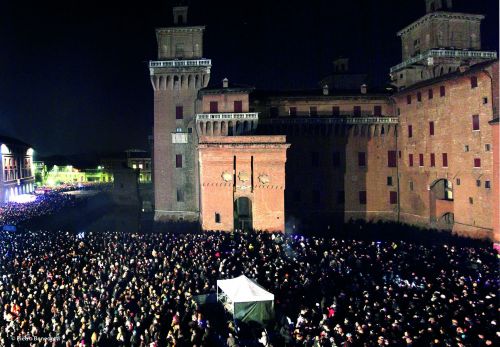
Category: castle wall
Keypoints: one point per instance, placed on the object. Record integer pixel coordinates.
(454, 136)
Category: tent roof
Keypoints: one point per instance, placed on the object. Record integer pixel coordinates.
(243, 289)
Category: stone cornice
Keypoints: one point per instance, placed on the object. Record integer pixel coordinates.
(180, 29)
(440, 15)
(244, 145)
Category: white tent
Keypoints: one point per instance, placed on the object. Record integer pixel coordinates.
(246, 300)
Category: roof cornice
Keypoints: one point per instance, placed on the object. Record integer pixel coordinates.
(440, 15)
(181, 29)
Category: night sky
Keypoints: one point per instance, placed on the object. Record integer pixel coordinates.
(74, 77)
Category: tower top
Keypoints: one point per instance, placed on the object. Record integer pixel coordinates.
(436, 5)
(180, 15)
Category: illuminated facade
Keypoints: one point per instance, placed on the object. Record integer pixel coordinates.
(17, 175)
(141, 161)
(420, 153)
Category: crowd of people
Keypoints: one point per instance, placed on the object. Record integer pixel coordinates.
(13, 213)
(67, 187)
(141, 289)
(48, 201)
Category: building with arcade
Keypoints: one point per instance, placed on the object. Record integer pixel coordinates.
(17, 176)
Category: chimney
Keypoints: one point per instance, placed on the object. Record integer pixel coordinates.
(364, 88)
(325, 89)
(225, 83)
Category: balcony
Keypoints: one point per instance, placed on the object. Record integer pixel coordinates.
(227, 116)
(444, 53)
(180, 63)
(180, 137)
(333, 120)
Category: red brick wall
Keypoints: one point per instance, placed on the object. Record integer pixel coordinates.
(452, 117)
(496, 182)
(218, 195)
(225, 101)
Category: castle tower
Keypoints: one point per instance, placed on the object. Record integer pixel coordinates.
(439, 43)
(177, 76)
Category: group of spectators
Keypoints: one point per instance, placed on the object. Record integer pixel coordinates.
(141, 289)
(67, 187)
(48, 201)
(13, 213)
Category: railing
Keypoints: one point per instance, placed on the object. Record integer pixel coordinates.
(227, 116)
(333, 120)
(327, 114)
(445, 53)
(180, 63)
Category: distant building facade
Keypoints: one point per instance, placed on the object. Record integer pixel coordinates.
(140, 160)
(17, 168)
(419, 153)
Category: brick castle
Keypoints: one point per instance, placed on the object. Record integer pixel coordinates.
(424, 152)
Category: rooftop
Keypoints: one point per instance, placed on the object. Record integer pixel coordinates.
(472, 69)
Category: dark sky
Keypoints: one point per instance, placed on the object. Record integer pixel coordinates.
(74, 77)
